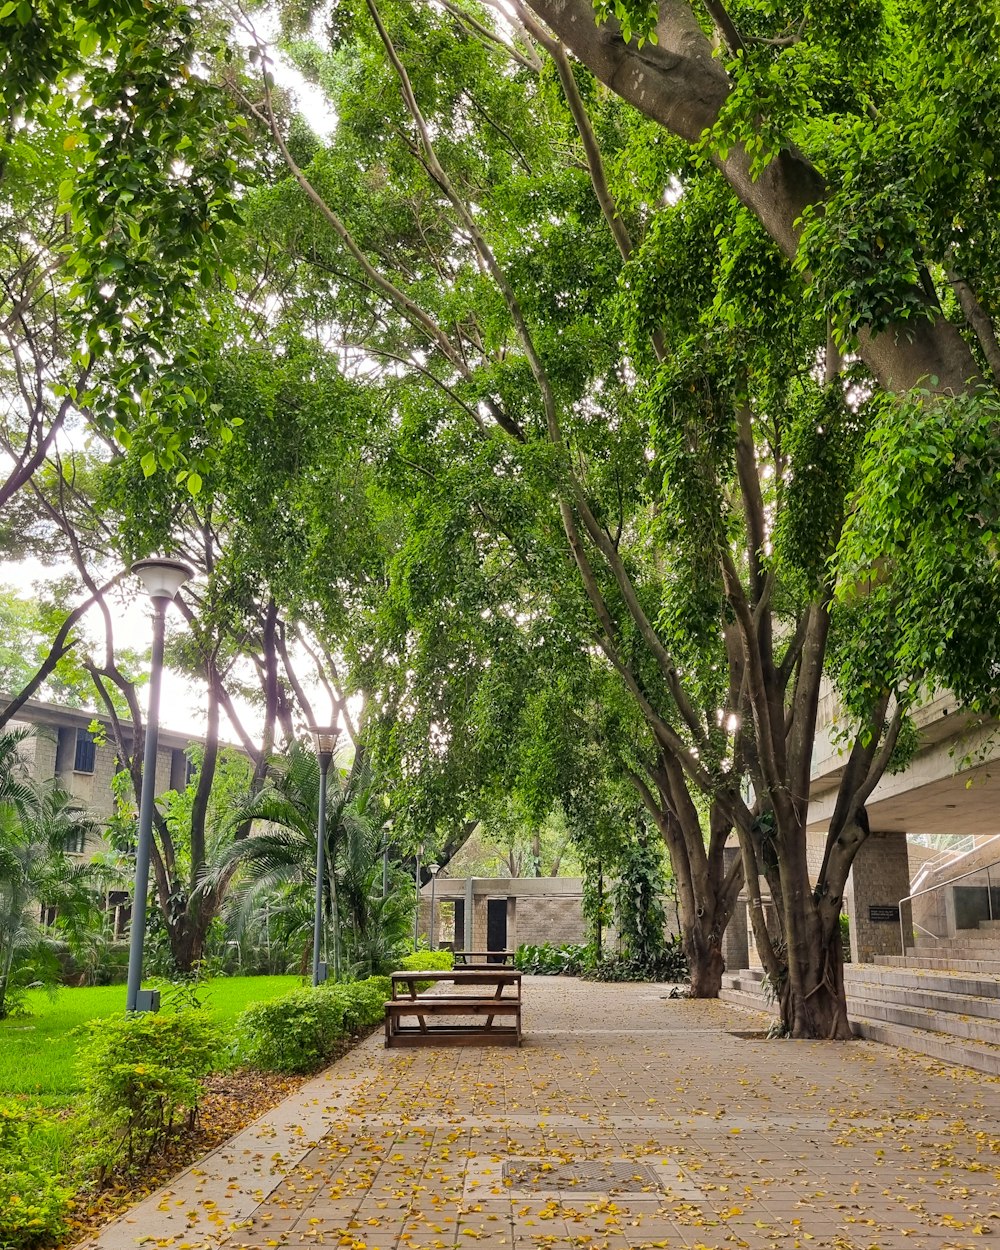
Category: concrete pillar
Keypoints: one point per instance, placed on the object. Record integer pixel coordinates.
(879, 878)
(735, 947)
(467, 936)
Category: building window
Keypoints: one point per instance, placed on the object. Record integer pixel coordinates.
(119, 905)
(47, 915)
(76, 842)
(86, 752)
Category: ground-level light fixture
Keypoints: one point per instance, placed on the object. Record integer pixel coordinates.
(162, 579)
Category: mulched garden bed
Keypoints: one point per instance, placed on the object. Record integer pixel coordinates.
(232, 1100)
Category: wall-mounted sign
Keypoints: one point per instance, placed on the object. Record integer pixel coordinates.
(884, 914)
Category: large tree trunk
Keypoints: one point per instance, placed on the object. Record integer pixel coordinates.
(189, 932)
(705, 959)
(806, 964)
(706, 894)
(813, 1004)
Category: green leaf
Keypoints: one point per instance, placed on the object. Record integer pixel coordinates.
(194, 483)
(148, 463)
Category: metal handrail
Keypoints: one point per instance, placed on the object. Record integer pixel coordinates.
(974, 872)
(940, 861)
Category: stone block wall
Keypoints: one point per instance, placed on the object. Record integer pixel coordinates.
(880, 877)
(539, 909)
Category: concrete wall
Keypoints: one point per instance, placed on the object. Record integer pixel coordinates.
(538, 909)
(880, 877)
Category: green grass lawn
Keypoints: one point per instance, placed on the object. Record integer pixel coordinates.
(38, 1052)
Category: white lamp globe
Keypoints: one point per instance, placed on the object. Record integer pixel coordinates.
(162, 578)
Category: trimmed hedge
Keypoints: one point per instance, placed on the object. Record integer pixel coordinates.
(432, 961)
(301, 1031)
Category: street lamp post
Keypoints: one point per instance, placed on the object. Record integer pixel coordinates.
(324, 740)
(162, 580)
(386, 834)
(416, 916)
(433, 869)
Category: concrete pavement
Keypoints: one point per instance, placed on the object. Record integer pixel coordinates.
(626, 1120)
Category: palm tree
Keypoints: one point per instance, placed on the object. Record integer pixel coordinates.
(278, 862)
(39, 822)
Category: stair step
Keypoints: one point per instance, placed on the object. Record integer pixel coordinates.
(965, 937)
(740, 981)
(871, 980)
(990, 966)
(753, 1002)
(981, 1056)
(946, 1023)
(907, 1005)
(942, 1001)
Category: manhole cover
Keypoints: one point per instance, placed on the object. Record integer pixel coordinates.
(610, 1176)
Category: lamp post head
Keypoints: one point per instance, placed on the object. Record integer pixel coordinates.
(434, 869)
(324, 742)
(162, 578)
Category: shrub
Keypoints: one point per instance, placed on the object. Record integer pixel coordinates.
(845, 937)
(301, 1031)
(363, 1002)
(32, 1201)
(293, 1033)
(140, 1081)
(420, 961)
(427, 961)
(549, 960)
(669, 965)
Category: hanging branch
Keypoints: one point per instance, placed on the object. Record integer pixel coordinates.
(62, 644)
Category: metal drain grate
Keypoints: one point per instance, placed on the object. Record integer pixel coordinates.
(611, 1176)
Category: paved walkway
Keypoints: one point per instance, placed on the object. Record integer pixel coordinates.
(626, 1120)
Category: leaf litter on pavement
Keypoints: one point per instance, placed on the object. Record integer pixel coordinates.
(754, 1145)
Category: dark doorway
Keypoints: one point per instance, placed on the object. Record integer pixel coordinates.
(459, 924)
(496, 928)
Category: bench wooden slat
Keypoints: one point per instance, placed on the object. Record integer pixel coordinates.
(473, 1035)
(471, 1007)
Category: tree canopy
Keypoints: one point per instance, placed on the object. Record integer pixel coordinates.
(589, 402)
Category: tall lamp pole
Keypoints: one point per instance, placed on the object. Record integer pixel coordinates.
(433, 869)
(416, 915)
(324, 740)
(162, 580)
(386, 835)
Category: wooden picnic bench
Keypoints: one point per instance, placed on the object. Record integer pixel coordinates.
(471, 959)
(439, 1017)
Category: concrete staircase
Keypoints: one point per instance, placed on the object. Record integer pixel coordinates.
(945, 1004)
